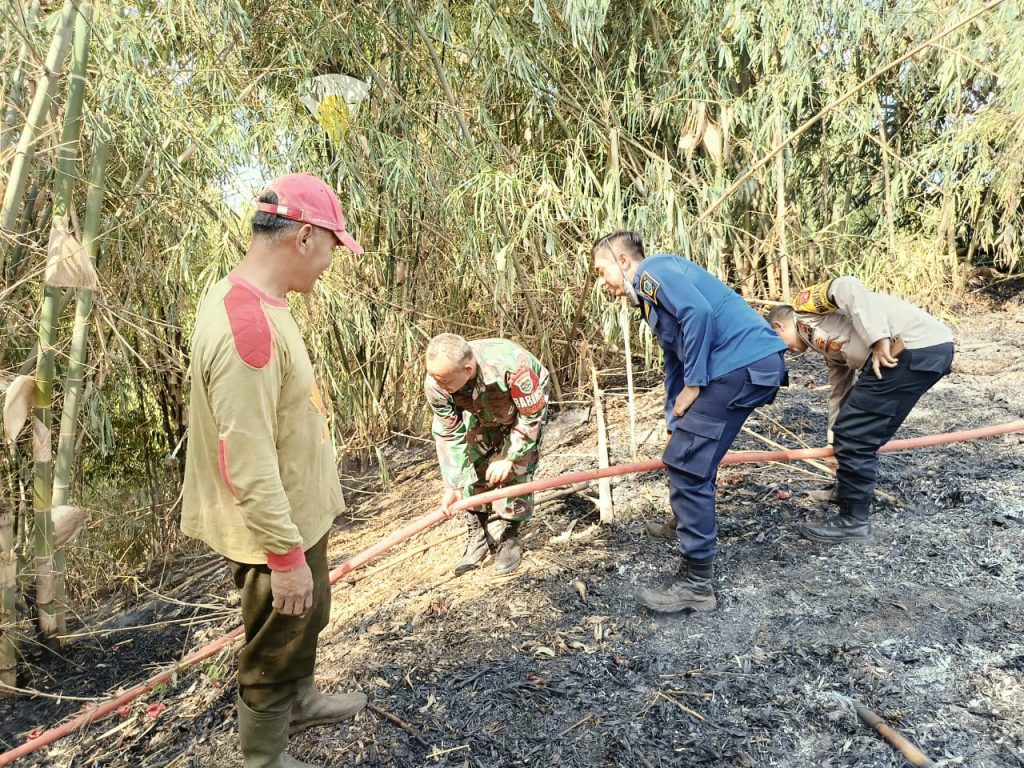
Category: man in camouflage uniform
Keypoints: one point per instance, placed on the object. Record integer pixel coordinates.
(489, 399)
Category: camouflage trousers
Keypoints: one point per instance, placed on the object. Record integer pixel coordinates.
(483, 445)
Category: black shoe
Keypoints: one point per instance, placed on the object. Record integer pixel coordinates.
(665, 529)
(478, 544)
(510, 552)
(839, 529)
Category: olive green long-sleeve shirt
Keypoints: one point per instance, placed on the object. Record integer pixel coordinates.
(260, 474)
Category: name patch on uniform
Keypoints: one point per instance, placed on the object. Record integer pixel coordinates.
(526, 392)
(649, 287)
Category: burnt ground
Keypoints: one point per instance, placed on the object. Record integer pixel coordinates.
(923, 624)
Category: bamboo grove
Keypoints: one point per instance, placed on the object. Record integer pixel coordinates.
(774, 142)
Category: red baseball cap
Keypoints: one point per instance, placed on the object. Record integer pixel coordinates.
(303, 197)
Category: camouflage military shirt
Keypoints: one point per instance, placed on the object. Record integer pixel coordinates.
(499, 411)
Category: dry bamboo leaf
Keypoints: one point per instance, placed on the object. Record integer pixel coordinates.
(693, 130)
(67, 263)
(17, 405)
(712, 141)
(68, 522)
(42, 442)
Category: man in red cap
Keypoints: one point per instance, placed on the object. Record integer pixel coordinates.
(261, 483)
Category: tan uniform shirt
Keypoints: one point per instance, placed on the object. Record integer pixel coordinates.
(844, 336)
(260, 472)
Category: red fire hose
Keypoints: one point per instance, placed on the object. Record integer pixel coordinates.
(431, 519)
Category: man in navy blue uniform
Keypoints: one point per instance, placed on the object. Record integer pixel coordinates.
(722, 360)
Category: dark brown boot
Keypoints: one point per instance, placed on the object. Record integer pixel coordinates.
(663, 529)
(478, 542)
(510, 552)
(689, 589)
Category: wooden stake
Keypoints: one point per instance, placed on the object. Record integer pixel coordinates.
(630, 402)
(604, 485)
(910, 753)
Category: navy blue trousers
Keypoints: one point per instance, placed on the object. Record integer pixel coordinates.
(875, 409)
(700, 440)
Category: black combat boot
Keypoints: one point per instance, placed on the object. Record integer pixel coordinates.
(510, 553)
(478, 542)
(851, 524)
(689, 589)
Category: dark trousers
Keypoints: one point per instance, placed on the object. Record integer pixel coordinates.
(700, 440)
(279, 650)
(874, 410)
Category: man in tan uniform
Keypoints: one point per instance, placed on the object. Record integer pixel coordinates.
(261, 484)
(901, 352)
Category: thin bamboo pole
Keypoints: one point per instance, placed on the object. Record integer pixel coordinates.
(887, 201)
(15, 94)
(76, 365)
(83, 303)
(45, 89)
(49, 565)
(780, 204)
(8, 594)
(42, 452)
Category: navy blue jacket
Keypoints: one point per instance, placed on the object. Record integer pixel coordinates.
(705, 328)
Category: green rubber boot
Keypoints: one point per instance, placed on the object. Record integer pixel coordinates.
(263, 737)
(314, 708)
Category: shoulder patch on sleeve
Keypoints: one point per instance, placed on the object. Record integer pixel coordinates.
(815, 299)
(250, 328)
(649, 287)
(524, 387)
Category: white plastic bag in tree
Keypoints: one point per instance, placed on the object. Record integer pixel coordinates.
(67, 263)
(17, 405)
(333, 100)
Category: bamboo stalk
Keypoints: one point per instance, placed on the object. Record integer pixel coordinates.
(42, 451)
(74, 381)
(780, 205)
(46, 87)
(8, 596)
(604, 485)
(15, 94)
(883, 139)
(49, 565)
